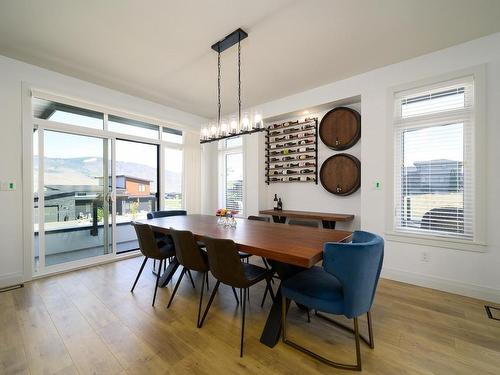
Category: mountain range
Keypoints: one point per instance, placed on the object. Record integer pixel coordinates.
(83, 171)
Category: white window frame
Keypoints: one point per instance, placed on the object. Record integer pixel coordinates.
(478, 244)
(29, 121)
(223, 151)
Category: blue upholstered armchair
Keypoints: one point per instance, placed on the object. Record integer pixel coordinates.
(345, 285)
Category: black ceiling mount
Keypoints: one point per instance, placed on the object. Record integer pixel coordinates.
(229, 41)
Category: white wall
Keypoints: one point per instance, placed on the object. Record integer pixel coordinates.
(12, 74)
(464, 272)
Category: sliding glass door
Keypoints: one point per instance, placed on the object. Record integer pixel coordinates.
(136, 188)
(95, 171)
(72, 204)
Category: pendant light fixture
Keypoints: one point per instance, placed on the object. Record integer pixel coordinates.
(240, 123)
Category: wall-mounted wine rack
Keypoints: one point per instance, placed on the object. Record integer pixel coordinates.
(292, 152)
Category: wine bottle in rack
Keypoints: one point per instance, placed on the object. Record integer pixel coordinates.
(307, 171)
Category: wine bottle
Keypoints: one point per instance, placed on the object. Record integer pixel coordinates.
(275, 202)
(280, 204)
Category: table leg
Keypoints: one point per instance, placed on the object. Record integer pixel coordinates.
(167, 275)
(329, 224)
(272, 330)
(279, 219)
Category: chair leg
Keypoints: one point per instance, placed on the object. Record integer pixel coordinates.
(356, 367)
(358, 348)
(154, 264)
(245, 292)
(368, 342)
(201, 298)
(191, 278)
(235, 295)
(308, 316)
(206, 277)
(176, 286)
(164, 265)
(139, 274)
(264, 296)
(370, 329)
(283, 319)
(157, 282)
(209, 303)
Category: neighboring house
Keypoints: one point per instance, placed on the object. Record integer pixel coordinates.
(70, 202)
(433, 177)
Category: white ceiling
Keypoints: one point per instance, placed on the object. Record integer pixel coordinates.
(160, 50)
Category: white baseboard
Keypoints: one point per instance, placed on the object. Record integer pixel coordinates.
(10, 279)
(446, 285)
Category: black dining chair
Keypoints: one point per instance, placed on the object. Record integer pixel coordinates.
(167, 213)
(304, 223)
(164, 238)
(226, 266)
(150, 249)
(191, 257)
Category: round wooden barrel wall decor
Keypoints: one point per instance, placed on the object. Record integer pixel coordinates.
(340, 128)
(340, 174)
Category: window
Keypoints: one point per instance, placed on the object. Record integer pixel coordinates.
(231, 182)
(434, 175)
(173, 179)
(172, 135)
(132, 127)
(67, 114)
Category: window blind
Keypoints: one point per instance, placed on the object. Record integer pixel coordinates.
(433, 171)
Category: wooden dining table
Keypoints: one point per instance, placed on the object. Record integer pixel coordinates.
(288, 249)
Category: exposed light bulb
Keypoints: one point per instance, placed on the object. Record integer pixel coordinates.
(257, 121)
(244, 123)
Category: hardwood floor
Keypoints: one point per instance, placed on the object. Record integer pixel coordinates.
(87, 322)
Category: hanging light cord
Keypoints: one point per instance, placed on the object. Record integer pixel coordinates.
(239, 83)
(218, 89)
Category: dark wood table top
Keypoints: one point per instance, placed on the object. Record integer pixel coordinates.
(309, 215)
(296, 245)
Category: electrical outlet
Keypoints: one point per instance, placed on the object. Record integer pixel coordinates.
(425, 257)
